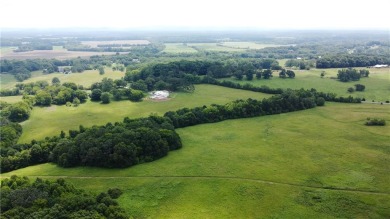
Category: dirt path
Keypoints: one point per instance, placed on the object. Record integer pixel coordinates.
(222, 177)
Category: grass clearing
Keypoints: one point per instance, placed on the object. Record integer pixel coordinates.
(225, 170)
(178, 48)
(85, 78)
(57, 118)
(11, 99)
(377, 84)
(214, 47)
(6, 50)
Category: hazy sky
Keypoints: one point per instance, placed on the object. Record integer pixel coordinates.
(295, 14)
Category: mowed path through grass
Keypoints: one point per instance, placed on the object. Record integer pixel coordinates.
(328, 147)
(49, 121)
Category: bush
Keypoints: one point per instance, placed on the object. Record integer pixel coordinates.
(375, 122)
(359, 87)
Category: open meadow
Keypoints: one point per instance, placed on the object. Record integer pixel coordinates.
(58, 53)
(377, 84)
(178, 48)
(318, 163)
(57, 118)
(85, 78)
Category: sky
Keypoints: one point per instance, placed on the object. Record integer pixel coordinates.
(270, 14)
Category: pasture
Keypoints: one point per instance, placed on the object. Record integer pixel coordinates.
(178, 48)
(213, 47)
(377, 84)
(317, 163)
(11, 99)
(57, 118)
(6, 50)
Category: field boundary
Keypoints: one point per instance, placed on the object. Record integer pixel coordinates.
(222, 177)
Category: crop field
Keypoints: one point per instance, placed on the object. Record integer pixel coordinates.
(178, 48)
(57, 118)
(85, 78)
(94, 44)
(318, 163)
(377, 84)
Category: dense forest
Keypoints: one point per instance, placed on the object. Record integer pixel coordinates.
(23, 198)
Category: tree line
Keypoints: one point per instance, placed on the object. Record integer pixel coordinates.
(118, 145)
(23, 198)
(351, 60)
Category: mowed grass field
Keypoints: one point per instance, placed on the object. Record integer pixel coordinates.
(85, 78)
(214, 47)
(318, 163)
(377, 84)
(11, 99)
(57, 118)
(178, 48)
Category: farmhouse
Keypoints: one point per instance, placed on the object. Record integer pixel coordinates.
(381, 66)
(64, 69)
(159, 95)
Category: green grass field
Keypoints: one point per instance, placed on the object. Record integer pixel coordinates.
(377, 84)
(85, 78)
(11, 99)
(57, 118)
(6, 50)
(214, 47)
(178, 48)
(323, 162)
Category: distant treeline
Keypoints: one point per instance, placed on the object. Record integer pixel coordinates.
(346, 61)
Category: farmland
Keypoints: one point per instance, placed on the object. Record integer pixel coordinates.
(85, 78)
(377, 84)
(49, 54)
(291, 155)
(232, 174)
(92, 113)
(178, 48)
